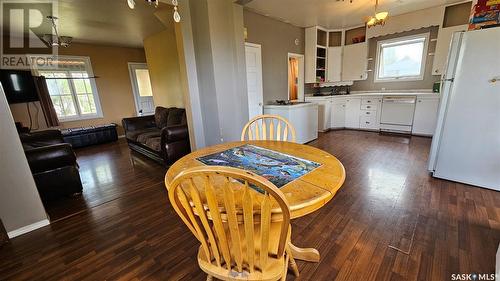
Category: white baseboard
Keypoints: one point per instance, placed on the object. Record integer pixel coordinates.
(28, 228)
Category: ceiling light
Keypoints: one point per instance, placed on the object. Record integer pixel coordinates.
(177, 16)
(54, 40)
(381, 15)
(131, 4)
(378, 19)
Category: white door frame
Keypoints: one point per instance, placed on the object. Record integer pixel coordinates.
(133, 81)
(300, 88)
(258, 46)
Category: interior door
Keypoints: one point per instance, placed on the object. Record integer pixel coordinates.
(254, 79)
(141, 86)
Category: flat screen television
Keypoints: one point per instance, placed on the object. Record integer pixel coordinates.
(19, 85)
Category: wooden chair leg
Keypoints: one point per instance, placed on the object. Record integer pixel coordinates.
(285, 269)
(292, 264)
(209, 278)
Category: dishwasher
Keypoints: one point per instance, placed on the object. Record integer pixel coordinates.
(397, 114)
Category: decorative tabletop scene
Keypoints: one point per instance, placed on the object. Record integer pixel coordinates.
(277, 167)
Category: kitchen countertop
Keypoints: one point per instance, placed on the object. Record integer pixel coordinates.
(384, 93)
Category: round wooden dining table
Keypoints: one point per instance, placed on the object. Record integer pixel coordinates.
(305, 194)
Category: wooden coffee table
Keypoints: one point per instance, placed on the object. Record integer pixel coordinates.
(305, 194)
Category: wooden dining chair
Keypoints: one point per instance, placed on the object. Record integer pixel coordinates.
(229, 211)
(268, 127)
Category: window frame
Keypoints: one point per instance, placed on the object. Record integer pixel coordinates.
(425, 51)
(74, 94)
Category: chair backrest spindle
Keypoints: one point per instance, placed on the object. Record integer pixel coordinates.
(268, 127)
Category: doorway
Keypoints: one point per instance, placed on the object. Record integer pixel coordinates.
(253, 57)
(141, 86)
(295, 77)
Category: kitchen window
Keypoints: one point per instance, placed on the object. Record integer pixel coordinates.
(402, 59)
(72, 88)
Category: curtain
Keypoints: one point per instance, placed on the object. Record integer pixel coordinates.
(293, 70)
(47, 107)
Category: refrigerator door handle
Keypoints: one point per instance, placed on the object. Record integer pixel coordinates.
(448, 80)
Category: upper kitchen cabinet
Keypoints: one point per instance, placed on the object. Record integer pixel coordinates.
(455, 19)
(334, 73)
(355, 55)
(334, 62)
(355, 62)
(335, 56)
(316, 54)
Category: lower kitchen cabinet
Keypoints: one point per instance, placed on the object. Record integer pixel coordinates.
(364, 112)
(338, 113)
(324, 111)
(352, 112)
(425, 118)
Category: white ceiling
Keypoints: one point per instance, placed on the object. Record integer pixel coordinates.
(108, 22)
(105, 22)
(335, 14)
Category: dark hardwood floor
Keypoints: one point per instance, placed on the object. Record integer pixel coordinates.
(108, 172)
(390, 221)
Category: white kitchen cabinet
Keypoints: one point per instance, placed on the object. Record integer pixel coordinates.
(352, 113)
(310, 55)
(302, 116)
(443, 47)
(425, 118)
(315, 54)
(355, 62)
(338, 113)
(324, 111)
(334, 70)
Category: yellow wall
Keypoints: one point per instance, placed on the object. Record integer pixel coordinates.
(113, 85)
(164, 69)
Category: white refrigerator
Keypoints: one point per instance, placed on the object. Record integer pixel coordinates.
(466, 144)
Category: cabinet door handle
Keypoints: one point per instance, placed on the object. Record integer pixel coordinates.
(367, 122)
(368, 101)
(368, 107)
(368, 112)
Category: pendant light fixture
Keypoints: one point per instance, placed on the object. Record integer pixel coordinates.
(378, 19)
(54, 40)
(131, 3)
(177, 16)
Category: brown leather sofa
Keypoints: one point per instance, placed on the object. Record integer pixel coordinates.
(162, 137)
(52, 163)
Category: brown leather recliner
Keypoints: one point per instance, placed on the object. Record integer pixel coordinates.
(162, 137)
(52, 163)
